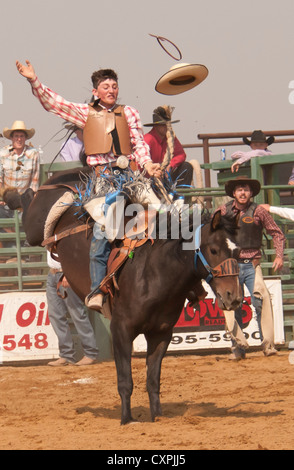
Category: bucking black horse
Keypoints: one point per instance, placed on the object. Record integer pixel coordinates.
(152, 286)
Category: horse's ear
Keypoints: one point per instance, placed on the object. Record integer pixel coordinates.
(215, 222)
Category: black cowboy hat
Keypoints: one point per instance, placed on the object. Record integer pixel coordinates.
(161, 115)
(230, 185)
(260, 137)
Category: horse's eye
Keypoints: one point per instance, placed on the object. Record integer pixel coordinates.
(213, 251)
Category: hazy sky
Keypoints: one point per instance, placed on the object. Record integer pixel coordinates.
(246, 45)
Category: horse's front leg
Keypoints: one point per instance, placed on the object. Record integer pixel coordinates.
(157, 344)
(122, 348)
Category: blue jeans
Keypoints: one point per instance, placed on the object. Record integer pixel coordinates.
(99, 253)
(58, 309)
(247, 278)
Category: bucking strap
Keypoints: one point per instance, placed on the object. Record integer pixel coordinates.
(70, 231)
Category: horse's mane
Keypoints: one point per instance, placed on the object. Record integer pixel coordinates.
(229, 224)
(226, 223)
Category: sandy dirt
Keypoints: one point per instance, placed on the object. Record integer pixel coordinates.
(208, 402)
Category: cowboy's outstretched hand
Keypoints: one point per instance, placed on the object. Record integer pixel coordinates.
(26, 71)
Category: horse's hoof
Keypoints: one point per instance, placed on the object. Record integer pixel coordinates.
(128, 421)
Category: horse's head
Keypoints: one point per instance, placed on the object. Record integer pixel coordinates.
(218, 255)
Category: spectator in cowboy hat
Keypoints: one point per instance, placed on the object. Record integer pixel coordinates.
(19, 162)
(253, 220)
(165, 148)
(259, 148)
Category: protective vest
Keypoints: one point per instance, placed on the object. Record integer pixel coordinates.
(250, 234)
(106, 131)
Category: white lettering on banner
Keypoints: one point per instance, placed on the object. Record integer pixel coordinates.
(205, 328)
(25, 329)
(1, 93)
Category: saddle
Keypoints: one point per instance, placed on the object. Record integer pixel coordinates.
(119, 255)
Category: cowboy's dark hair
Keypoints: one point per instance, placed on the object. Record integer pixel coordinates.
(101, 75)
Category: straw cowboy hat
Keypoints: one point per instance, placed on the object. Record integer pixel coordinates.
(161, 115)
(259, 137)
(231, 185)
(18, 126)
(181, 78)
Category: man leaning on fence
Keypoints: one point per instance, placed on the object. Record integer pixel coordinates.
(19, 163)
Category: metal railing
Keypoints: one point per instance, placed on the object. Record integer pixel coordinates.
(225, 140)
(21, 267)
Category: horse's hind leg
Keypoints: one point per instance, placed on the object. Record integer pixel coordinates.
(157, 345)
(122, 348)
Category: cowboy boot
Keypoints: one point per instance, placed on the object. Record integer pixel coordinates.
(94, 302)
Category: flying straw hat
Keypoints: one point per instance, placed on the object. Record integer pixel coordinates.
(181, 78)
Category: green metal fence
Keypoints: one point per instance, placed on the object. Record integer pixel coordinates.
(21, 267)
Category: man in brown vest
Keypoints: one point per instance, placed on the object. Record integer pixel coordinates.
(110, 131)
(253, 220)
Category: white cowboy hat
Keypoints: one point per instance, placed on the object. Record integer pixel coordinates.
(18, 126)
(181, 78)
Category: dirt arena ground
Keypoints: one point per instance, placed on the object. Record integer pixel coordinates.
(208, 403)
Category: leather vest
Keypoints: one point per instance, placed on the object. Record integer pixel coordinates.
(250, 234)
(106, 131)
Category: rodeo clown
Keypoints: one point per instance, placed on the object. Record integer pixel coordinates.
(110, 131)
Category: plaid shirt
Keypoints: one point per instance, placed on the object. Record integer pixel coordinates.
(19, 171)
(262, 217)
(78, 113)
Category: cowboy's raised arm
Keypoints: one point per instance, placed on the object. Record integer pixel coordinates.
(26, 71)
(75, 113)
